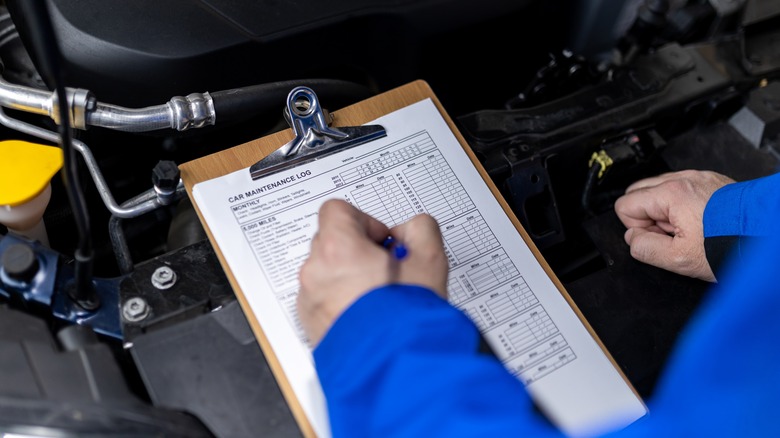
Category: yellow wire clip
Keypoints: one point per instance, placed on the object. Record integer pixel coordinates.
(604, 160)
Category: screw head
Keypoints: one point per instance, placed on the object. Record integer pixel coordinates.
(163, 278)
(135, 309)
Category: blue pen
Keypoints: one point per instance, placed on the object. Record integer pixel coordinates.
(397, 248)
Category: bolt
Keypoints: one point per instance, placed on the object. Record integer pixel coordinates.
(163, 278)
(165, 175)
(135, 309)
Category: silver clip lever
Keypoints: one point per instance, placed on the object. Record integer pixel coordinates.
(313, 138)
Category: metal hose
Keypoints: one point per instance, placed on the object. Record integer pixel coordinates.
(180, 113)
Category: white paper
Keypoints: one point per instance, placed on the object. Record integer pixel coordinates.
(264, 228)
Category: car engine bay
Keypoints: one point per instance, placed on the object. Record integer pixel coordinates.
(565, 104)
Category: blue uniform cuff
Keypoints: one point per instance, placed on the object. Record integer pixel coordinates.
(742, 209)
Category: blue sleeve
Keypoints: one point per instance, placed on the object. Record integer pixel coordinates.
(402, 362)
(722, 377)
(743, 209)
(736, 214)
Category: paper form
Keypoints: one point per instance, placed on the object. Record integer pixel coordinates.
(264, 228)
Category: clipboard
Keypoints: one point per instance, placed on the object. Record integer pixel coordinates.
(248, 154)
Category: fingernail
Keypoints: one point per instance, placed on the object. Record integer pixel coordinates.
(627, 236)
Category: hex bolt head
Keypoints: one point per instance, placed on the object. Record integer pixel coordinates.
(165, 175)
(163, 278)
(135, 309)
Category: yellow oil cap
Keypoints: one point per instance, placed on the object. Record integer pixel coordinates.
(25, 170)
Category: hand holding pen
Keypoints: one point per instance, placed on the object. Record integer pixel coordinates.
(351, 255)
(397, 249)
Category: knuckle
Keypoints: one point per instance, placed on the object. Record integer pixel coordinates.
(419, 222)
(620, 204)
(333, 207)
(681, 186)
(689, 173)
(676, 185)
(427, 220)
(424, 224)
(305, 274)
(334, 210)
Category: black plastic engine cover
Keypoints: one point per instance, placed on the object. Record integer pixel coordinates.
(159, 49)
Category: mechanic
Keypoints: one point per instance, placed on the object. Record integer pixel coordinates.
(395, 359)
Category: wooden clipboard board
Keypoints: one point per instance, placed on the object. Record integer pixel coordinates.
(247, 154)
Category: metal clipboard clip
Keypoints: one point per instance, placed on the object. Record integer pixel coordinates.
(313, 138)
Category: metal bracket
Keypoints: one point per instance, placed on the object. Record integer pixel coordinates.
(313, 138)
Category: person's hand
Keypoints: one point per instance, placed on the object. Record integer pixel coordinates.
(347, 260)
(664, 214)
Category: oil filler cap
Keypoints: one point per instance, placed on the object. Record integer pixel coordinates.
(26, 170)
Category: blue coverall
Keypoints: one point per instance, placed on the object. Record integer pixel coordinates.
(403, 362)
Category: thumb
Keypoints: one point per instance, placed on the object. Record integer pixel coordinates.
(650, 247)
